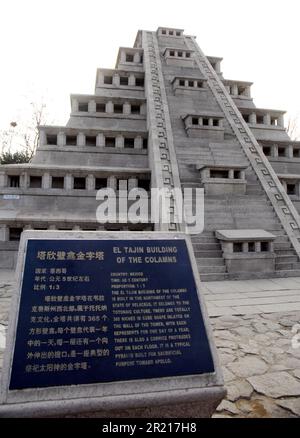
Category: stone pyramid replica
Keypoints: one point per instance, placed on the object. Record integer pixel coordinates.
(165, 117)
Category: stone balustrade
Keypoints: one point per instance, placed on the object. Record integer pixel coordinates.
(130, 58)
(291, 183)
(204, 125)
(169, 32)
(265, 117)
(18, 178)
(287, 150)
(105, 106)
(112, 139)
(182, 83)
(118, 78)
(215, 62)
(223, 179)
(10, 233)
(178, 57)
(238, 89)
(247, 250)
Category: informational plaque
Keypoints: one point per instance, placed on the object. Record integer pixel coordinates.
(94, 311)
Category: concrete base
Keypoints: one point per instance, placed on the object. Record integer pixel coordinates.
(8, 259)
(222, 186)
(214, 134)
(250, 262)
(190, 395)
(180, 62)
(195, 93)
(191, 403)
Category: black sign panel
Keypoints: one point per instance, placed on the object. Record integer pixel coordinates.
(107, 310)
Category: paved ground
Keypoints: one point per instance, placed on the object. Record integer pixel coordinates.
(260, 366)
(252, 296)
(255, 328)
(254, 323)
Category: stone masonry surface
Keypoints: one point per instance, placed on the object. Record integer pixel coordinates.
(260, 366)
(166, 118)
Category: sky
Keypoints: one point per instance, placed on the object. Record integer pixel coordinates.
(52, 48)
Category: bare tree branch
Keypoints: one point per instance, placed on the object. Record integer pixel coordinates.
(293, 127)
(24, 139)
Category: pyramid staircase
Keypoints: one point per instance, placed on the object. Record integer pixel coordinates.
(250, 211)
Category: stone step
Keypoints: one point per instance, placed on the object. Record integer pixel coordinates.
(232, 215)
(243, 215)
(263, 275)
(208, 254)
(190, 158)
(193, 148)
(251, 178)
(267, 218)
(284, 252)
(194, 152)
(220, 226)
(206, 246)
(228, 151)
(253, 187)
(234, 199)
(254, 191)
(244, 205)
(287, 273)
(206, 234)
(211, 269)
(286, 259)
(252, 203)
(213, 276)
(233, 209)
(218, 159)
(258, 200)
(262, 225)
(236, 203)
(209, 225)
(287, 266)
(185, 158)
(221, 202)
(227, 160)
(239, 214)
(282, 245)
(251, 183)
(204, 240)
(213, 262)
(188, 178)
(191, 185)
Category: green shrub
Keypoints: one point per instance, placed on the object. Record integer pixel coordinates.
(15, 157)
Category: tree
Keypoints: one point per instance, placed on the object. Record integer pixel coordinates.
(19, 141)
(293, 127)
(17, 157)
